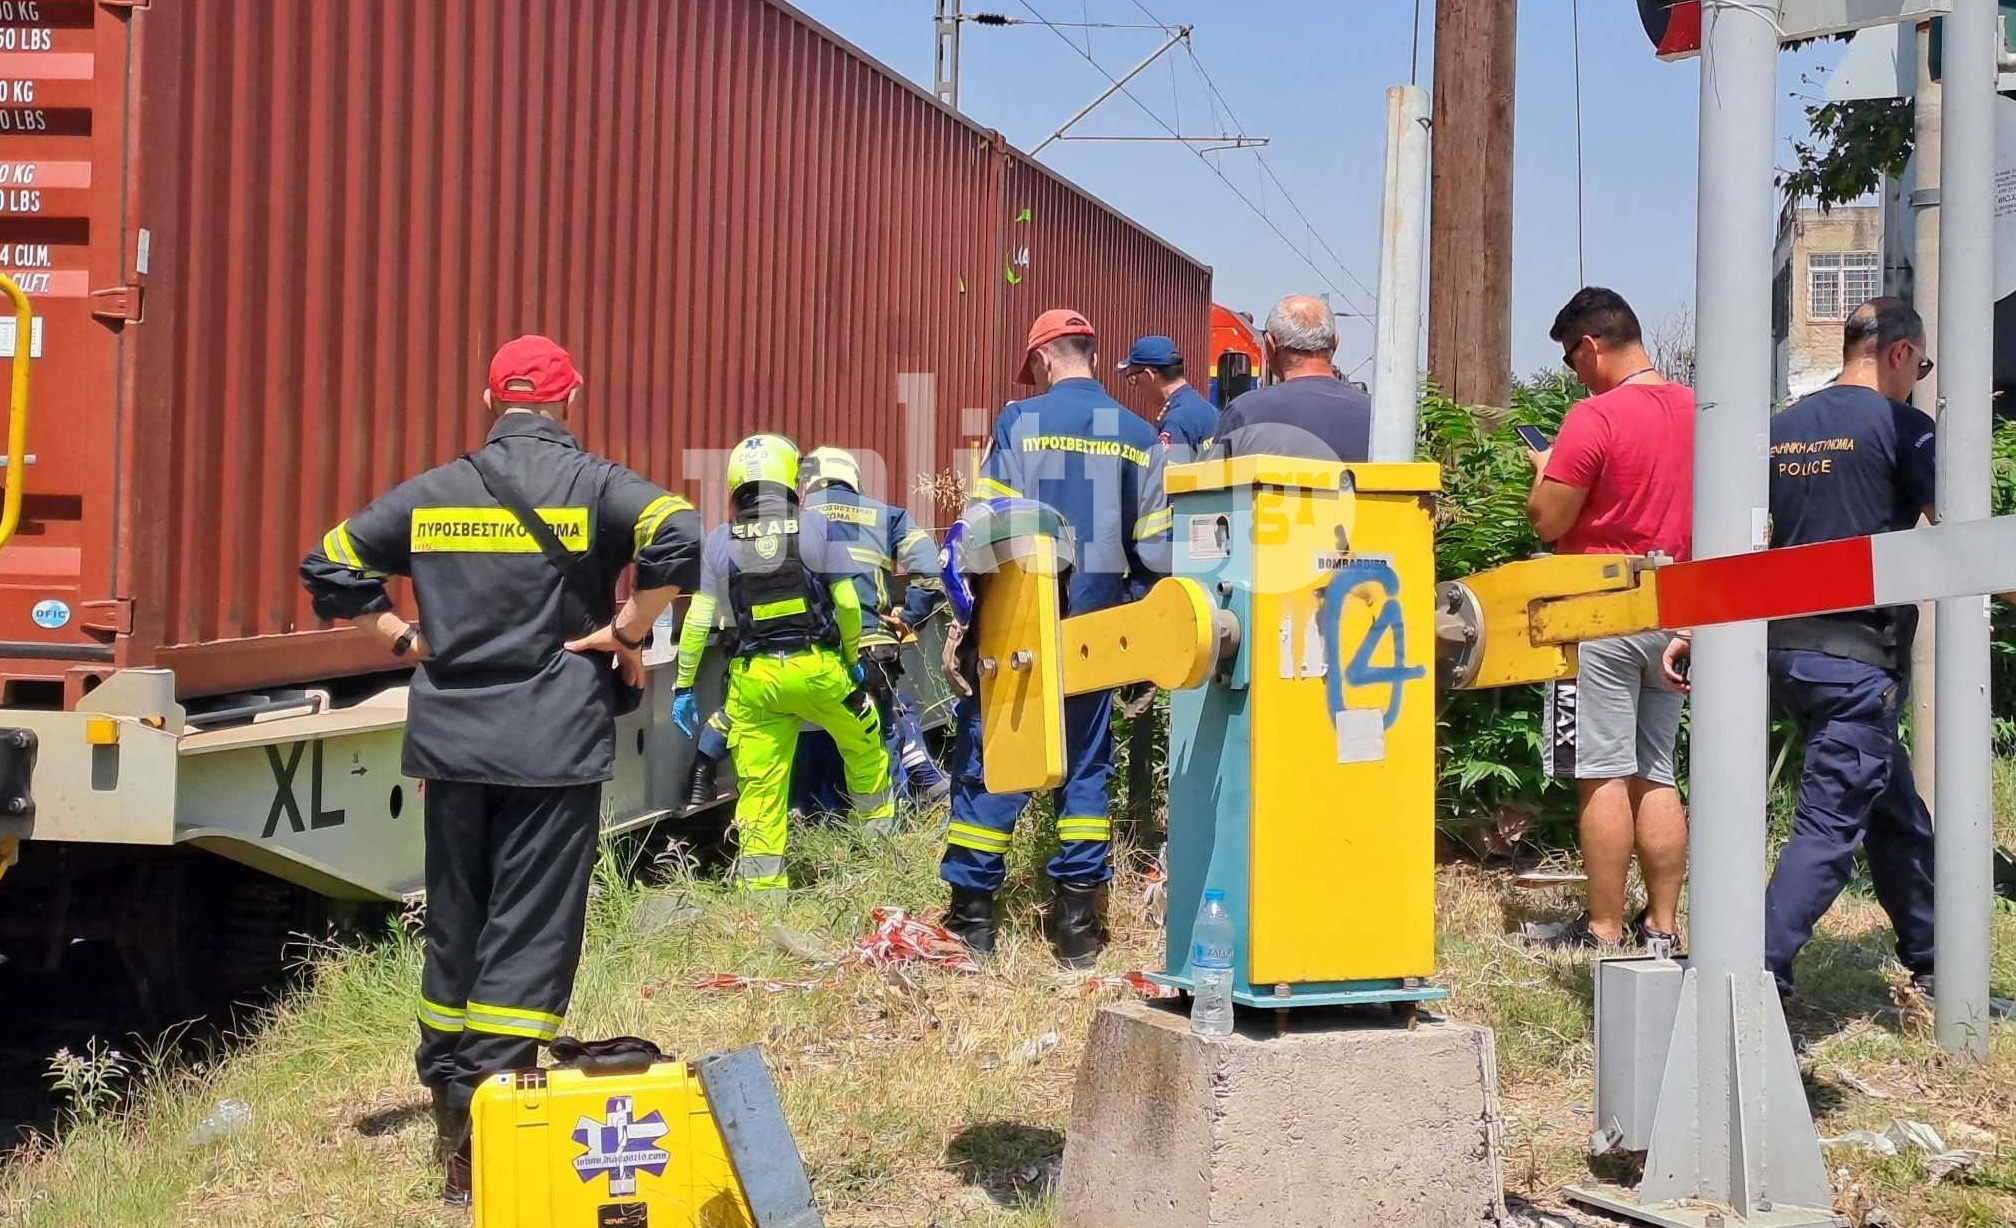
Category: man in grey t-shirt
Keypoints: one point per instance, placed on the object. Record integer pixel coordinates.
(1310, 412)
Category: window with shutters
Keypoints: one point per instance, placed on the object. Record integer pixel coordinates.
(1839, 282)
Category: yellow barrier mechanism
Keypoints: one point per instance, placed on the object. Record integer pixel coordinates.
(1021, 665)
(17, 409)
(1519, 623)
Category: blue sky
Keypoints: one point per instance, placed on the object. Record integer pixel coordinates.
(1312, 78)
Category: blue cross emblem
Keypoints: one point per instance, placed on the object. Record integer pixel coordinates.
(621, 1147)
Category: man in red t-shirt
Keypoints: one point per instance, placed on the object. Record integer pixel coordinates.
(1619, 480)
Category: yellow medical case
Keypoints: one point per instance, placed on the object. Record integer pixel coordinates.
(636, 1147)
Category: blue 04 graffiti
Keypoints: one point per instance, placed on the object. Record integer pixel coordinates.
(1360, 671)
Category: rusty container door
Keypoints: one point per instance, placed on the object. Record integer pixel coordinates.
(63, 239)
(1067, 249)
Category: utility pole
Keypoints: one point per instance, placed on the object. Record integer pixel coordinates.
(1925, 297)
(947, 87)
(1396, 349)
(1963, 861)
(1470, 232)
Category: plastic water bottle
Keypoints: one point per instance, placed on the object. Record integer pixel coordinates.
(1211, 939)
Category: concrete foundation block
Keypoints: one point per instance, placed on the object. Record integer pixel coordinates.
(1343, 1122)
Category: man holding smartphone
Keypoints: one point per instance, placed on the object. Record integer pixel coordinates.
(1619, 480)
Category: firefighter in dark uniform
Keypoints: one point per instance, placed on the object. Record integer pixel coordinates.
(786, 588)
(1850, 460)
(1075, 449)
(510, 721)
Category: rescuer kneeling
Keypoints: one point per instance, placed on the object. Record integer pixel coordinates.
(784, 585)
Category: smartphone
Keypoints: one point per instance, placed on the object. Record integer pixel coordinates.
(1533, 437)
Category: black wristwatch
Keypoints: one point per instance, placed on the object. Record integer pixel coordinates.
(617, 633)
(401, 645)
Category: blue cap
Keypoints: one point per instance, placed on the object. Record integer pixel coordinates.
(1214, 894)
(1152, 352)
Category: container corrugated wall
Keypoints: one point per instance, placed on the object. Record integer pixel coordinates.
(735, 220)
(1073, 251)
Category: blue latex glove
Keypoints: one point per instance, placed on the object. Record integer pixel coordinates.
(859, 673)
(686, 713)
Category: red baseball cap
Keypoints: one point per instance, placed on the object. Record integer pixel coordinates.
(532, 370)
(1052, 324)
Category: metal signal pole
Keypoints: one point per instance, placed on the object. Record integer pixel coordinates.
(1963, 864)
(1732, 1127)
(947, 87)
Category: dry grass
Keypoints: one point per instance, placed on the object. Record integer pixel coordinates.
(922, 1104)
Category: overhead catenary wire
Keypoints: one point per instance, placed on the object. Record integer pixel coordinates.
(1268, 168)
(1003, 19)
(1360, 310)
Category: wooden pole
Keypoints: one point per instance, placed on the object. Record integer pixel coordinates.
(1470, 228)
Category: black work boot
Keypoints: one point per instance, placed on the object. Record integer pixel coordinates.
(703, 792)
(451, 1149)
(1078, 924)
(971, 920)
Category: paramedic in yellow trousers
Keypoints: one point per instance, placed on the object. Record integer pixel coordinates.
(786, 589)
(514, 551)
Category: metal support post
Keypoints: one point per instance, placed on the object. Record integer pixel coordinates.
(1119, 83)
(1925, 297)
(1964, 860)
(1396, 361)
(1732, 1128)
(947, 87)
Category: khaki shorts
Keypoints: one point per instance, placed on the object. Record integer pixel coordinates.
(1617, 717)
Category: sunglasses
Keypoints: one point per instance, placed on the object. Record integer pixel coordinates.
(1924, 363)
(1568, 355)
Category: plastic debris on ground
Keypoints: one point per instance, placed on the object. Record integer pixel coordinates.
(1132, 982)
(1905, 1136)
(730, 982)
(1915, 1136)
(226, 1121)
(798, 945)
(1033, 1049)
(895, 938)
(1865, 1140)
(894, 942)
(1951, 1163)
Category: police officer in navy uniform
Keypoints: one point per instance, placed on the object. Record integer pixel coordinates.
(1075, 449)
(1850, 460)
(1188, 421)
(510, 720)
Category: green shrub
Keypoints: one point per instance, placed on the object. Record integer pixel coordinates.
(2002, 670)
(1489, 741)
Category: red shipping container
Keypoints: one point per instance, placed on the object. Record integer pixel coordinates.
(272, 244)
